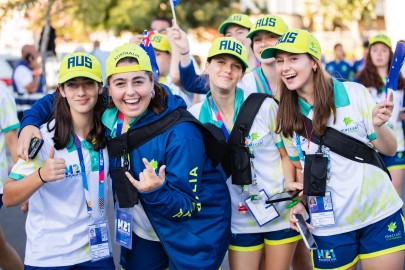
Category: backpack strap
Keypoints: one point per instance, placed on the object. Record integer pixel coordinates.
(245, 118)
(214, 139)
(347, 146)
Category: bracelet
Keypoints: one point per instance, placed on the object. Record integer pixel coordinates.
(40, 177)
(185, 53)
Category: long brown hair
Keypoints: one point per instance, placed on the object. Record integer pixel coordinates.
(64, 123)
(369, 76)
(289, 116)
(157, 103)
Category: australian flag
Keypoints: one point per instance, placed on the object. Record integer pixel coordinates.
(148, 48)
(396, 65)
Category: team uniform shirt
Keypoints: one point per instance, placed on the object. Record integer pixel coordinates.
(262, 85)
(187, 96)
(141, 223)
(395, 121)
(264, 143)
(8, 122)
(362, 194)
(57, 222)
(341, 70)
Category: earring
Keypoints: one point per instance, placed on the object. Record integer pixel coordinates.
(314, 69)
(152, 93)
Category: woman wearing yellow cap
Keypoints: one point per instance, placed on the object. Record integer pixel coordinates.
(254, 233)
(373, 76)
(66, 183)
(182, 218)
(265, 33)
(358, 213)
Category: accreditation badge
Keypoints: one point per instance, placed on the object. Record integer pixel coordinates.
(100, 247)
(321, 210)
(123, 227)
(262, 212)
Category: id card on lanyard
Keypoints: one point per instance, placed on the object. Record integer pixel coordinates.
(123, 216)
(100, 247)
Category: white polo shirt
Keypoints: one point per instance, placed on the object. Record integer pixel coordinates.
(57, 221)
(265, 144)
(8, 122)
(362, 194)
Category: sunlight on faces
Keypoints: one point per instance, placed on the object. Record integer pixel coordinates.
(262, 40)
(81, 94)
(225, 71)
(131, 91)
(380, 55)
(296, 71)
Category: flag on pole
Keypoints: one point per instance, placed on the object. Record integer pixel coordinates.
(396, 65)
(173, 4)
(148, 48)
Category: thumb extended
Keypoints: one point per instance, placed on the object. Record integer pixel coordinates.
(51, 153)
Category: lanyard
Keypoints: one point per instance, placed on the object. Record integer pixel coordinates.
(219, 118)
(266, 81)
(84, 179)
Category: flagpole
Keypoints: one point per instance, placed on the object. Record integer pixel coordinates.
(174, 14)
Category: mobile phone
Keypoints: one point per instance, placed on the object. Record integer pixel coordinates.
(29, 57)
(35, 146)
(305, 232)
(283, 196)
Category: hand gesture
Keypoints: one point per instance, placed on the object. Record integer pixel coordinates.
(291, 186)
(54, 168)
(178, 38)
(148, 180)
(26, 134)
(382, 112)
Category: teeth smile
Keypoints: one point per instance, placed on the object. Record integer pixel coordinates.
(131, 101)
(289, 76)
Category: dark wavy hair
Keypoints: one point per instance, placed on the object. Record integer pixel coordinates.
(369, 76)
(64, 123)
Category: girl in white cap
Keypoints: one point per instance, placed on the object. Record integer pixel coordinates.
(253, 233)
(357, 215)
(66, 183)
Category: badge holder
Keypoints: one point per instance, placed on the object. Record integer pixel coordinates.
(100, 247)
(321, 210)
(123, 227)
(262, 212)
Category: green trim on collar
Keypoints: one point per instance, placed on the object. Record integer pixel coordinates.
(110, 117)
(341, 98)
(205, 115)
(94, 155)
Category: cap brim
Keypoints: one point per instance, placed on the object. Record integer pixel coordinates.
(76, 74)
(250, 35)
(271, 52)
(223, 26)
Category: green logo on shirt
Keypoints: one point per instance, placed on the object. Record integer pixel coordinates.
(392, 226)
(347, 120)
(154, 164)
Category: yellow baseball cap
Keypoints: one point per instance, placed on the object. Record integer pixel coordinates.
(160, 42)
(381, 38)
(238, 19)
(269, 23)
(79, 65)
(127, 50)
(295, 41)
(229, 45)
